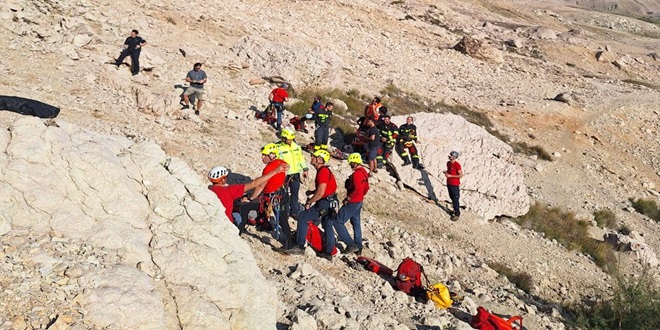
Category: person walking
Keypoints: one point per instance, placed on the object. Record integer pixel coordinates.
(132, 47)
(454, 173)
(197, 78)
(357, 185)
(322, 123)
(274, 195)
(228, 194)
(318, 207)
(277, 97)
(290, 152)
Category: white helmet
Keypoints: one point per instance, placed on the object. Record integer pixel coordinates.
(216, 173)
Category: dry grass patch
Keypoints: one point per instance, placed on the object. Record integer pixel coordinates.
(570, 232)
(522, 280)
(634, 304)
(605, 218)
(646, 207)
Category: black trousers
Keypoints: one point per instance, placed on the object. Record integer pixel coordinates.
(135, 59)
(455, 194)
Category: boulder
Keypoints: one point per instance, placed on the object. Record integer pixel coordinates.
(147, 243)
(492, 184)
(479, 49)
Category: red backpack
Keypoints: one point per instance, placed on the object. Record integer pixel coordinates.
(409, 277)
(315, 239)
(485, 320)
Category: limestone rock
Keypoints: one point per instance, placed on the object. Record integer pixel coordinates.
(146, 210)
(479, 49)
(491, 185)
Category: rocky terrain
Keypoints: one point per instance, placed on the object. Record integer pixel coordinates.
(107, 223)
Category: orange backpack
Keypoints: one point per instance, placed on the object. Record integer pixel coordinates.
(485, 320)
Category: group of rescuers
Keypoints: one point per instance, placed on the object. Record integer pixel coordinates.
(277, 190)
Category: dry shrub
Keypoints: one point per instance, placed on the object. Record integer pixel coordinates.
(522, 280)
(647, 207)
(570, 232)
(605, 218)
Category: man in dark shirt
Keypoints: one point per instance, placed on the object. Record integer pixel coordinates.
(373, 136)
(132, 46)
(197, 78)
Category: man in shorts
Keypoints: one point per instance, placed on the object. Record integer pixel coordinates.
(197, 78)
(373, 144)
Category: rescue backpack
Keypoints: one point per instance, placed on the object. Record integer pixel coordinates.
(409, 278)
(485, 320)
(315, 239)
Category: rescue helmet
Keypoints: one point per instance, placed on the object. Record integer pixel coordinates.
(354, 158)
(217, 173)
(268, 149)
(454, 154)
(288, 134)
(323, 154)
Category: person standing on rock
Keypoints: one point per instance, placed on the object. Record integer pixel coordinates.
(373, 144)
(197, 78)
(132, 47)
(406, 143)
(274, 194)
(318, 207)
(228, 194)
(290, 152)
(357, 185)
(277, 97)
(322, 123)
(454, 173)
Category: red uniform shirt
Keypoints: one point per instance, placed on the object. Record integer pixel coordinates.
(324, 175)
(453, 168)
(227, 196)
(279, 95)
(277, 181)
(359, 185)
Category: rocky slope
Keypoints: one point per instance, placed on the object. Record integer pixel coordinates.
(603, 134)
(103, 232)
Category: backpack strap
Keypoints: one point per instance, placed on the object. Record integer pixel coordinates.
(514, 319)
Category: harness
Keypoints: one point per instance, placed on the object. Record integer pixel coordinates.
(270, 207)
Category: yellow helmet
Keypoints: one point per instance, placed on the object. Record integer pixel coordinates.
(268, 149)
(354, 158)
(323, 154)
(288, 134)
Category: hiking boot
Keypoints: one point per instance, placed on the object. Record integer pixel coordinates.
(454, 218)
(185, 106)
(420, 167)
(406, 163)
(296, 250)
(359, 252)
(197, 112)
(351, 249)
(325, 256)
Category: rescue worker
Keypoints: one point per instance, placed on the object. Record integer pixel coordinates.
(389, 133)
(406, 143)
(274, 195)
(322, 122)
(454, 173)
(290, 152)
(371, 110)
(318, 207)
(228, 194)
(277, 97)
(357, 186)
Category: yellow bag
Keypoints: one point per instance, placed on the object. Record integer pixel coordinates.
(440, 296)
